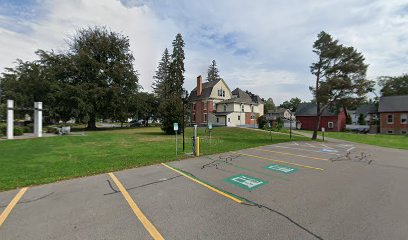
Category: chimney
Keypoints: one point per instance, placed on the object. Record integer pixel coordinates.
(199, 85)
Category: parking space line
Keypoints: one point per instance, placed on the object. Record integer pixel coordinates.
(11, 205)
(280, 161)
(308, 150)
(315, 158)
(139, 214)
(204, 184)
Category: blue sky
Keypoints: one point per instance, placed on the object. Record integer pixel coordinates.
(263, 46)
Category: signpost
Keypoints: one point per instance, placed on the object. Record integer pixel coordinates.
(209, 130)
(270, 129)
(323, 130)
(281, 168)
(175, 128)
(246, 182)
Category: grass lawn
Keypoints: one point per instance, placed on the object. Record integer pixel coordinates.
(383, 140)
(45, 160)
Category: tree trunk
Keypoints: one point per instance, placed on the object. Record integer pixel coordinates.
(319, 117)
(91, 122)
(318, 114)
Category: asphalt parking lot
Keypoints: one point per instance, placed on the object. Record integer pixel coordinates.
(296, 190)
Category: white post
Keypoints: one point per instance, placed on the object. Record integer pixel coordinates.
(35, 119)
(10, 119)
(38, 119)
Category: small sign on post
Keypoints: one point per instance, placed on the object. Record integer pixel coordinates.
(175, 128)
(210, 126)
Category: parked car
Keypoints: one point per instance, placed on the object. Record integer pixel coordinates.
(137, 123)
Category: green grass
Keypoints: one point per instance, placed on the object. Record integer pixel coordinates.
(45, 160)
(383, 140)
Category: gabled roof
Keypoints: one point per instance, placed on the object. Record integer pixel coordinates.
(206, 92)
(278, 111)
(366, 109)
(393, 104)
(239, 96)
(310, 109)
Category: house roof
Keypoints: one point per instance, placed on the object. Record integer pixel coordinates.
(310, 109)
(366, 109)
(393, 104)
(240, 96)
(206, 92)
(278, 111)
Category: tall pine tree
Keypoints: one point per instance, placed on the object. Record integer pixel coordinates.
(160, 85)
(340, 74)
(213, 74)
(170, 109)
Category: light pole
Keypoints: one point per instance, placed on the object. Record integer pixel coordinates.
(184, 97)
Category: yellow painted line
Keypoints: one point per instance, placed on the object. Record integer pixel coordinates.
(139, 214)
(316, 158)
(204, 184)
(11, 205)
(280, 161)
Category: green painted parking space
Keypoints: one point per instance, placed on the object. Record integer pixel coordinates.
(246, 182)
(281, 168)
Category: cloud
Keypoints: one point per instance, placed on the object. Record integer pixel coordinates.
(263, 46)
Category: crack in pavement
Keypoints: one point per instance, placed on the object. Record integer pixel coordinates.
(32, 200)
(143, 185)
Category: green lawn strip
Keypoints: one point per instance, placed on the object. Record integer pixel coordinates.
(44, 160)
(382, 140)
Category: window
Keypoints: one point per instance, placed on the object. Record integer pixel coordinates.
(194, 107)
(221, 93)
(242, 108)
(225, 107)
(252, 108)
(390, 118)
(194, 117)
(404, 118)
(252, 117)
(218, 120)
(403, 132)
(229, 120)
(330, 125)
(390, 131)
(205, 105)
(205, 117)
(239, 118)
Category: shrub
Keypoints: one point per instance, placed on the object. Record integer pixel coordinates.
(18, 131)
(261, 122)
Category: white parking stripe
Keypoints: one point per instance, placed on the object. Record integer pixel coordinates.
(306, 150)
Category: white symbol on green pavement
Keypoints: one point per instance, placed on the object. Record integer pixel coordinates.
(245, 181)
(281, 168)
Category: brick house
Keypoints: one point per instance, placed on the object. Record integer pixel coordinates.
(394, 114)
(214, 102)
(333, 120)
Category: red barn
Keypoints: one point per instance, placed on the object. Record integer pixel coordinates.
(332, 119)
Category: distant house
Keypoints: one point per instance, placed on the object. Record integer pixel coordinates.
(394, 114)
(214, 102)
(369, 112)
(331, 119)
(281, 113)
